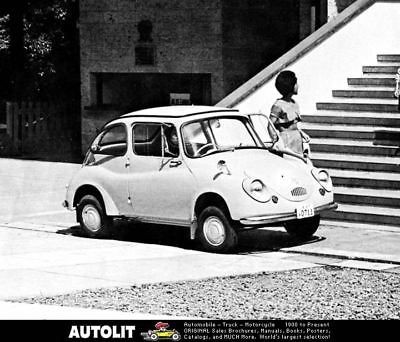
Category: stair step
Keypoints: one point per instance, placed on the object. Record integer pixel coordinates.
(324, 146)
(356, 162)
(367, 196)
(372, 81)
(359, 128)
(350, 118)
(321, 130)
(361, 213)
(388, 58)
(369, 107)
(363, 150)
(387, 69)
(368, 179)
(362, 101)
(376, 94)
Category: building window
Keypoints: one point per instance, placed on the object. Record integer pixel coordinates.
(318, 14)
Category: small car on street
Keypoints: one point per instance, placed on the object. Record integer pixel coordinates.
(199, 167)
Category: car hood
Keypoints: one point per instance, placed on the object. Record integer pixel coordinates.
(291, 179)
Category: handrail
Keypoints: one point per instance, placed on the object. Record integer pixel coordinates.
(298, 51)
(397, 89)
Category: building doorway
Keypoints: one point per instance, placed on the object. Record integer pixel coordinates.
(134, 91)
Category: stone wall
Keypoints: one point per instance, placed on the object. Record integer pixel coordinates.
(186, 35)
(255, 33)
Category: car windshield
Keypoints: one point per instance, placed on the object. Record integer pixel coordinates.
(213, 135)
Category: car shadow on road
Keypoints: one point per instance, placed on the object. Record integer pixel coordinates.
(252, 241)
(271, 240)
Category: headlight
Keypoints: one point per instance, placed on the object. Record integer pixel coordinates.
(256, 190)
(323, 178)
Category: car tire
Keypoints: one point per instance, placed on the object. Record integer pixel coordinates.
(215, 231)
(303, 228)
(154, 337)
(92, 217)
(176, 337)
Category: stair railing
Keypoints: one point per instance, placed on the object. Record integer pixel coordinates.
(397, 90)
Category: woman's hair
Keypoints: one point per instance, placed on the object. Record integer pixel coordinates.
(285, 82)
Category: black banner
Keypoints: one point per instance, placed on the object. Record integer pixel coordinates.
(199, 330)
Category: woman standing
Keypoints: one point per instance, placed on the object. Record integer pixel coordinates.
(285, 113)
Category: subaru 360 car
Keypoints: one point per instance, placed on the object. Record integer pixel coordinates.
(199, 167)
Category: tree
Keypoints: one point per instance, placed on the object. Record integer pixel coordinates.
(39, 48)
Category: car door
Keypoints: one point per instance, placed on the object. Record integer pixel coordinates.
(109, 154)
(160, 184)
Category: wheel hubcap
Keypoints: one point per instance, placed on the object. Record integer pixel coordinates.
(214, 231)
(91, 218)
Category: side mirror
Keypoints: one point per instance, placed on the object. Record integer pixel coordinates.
(94, 148)
(116, 150)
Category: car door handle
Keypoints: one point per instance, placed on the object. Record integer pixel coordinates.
(175, 163)
(127, 163)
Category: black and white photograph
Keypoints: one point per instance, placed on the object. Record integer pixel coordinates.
(200, 169)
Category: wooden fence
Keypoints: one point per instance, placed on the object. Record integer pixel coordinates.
(42, 129)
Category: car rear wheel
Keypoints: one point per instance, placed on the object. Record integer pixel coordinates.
(176, 337)
(303, 228)
(92, 217)
(215, 231)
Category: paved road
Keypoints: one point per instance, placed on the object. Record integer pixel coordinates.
(33, 191)
(42, 251)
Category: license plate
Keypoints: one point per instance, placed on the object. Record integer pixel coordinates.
(305, 211)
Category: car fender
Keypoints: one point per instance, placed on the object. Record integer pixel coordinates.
(109, 204)
(224, 190)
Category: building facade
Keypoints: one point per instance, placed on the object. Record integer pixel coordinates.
(145, 53)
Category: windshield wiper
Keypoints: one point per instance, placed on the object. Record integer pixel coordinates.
(219, 149)
(249, 147)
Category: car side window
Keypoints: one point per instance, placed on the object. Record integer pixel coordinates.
(113, 141)
(147, 139)
(115, 135)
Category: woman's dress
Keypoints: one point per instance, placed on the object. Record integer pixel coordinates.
(285, 116)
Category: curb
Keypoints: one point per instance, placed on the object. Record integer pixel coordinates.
(347, 255)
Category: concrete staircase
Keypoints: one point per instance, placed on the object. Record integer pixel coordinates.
(357, 138)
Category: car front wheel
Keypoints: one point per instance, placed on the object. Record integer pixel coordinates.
(215, 231)
(92, 217)
(303, 228)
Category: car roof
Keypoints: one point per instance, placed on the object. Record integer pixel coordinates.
(178, 111)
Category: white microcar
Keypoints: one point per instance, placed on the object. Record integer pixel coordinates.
(200, 167)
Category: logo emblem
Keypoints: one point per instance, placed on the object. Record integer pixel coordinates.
(161, 332)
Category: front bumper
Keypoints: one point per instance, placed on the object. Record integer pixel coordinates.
(256, 221)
